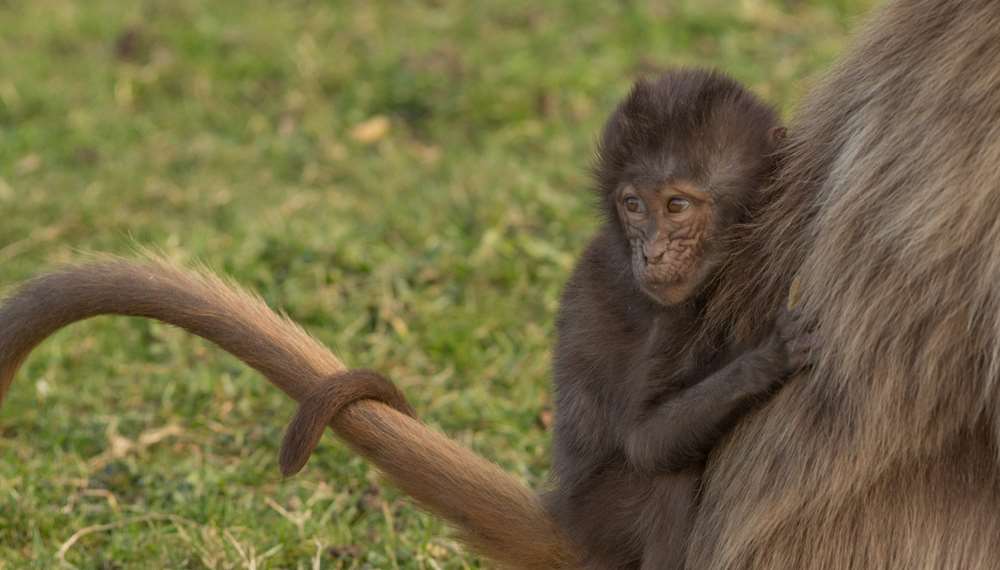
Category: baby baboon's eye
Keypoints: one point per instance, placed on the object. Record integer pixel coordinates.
(677, 205)
(634, 205)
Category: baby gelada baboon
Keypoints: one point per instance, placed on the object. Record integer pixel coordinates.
(641, 395)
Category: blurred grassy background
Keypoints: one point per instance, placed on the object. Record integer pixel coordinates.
(407, 179)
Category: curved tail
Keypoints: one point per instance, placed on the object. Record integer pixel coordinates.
(496, 514)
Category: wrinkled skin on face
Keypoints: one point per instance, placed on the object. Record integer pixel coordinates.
(682, 161)
(667, 227)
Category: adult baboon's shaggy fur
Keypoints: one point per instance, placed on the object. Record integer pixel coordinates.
(885, 455)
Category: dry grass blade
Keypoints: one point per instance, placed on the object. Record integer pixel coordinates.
(66, 546)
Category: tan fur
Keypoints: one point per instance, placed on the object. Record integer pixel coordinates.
(496, 514)
(318, 410)
(885, 455)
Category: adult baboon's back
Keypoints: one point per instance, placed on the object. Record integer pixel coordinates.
(885, 455)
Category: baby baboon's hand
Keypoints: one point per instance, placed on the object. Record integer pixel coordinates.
(797, 339)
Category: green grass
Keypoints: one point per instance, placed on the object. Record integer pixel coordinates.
(407, 179)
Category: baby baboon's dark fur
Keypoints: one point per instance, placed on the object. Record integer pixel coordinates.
(638, 404)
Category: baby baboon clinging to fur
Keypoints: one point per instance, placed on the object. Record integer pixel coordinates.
(641, 396)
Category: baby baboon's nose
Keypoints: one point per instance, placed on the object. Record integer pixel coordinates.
(653, 255)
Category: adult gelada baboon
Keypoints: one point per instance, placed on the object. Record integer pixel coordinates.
(886, 454)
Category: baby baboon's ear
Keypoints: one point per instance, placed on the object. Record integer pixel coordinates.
(777, 135)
